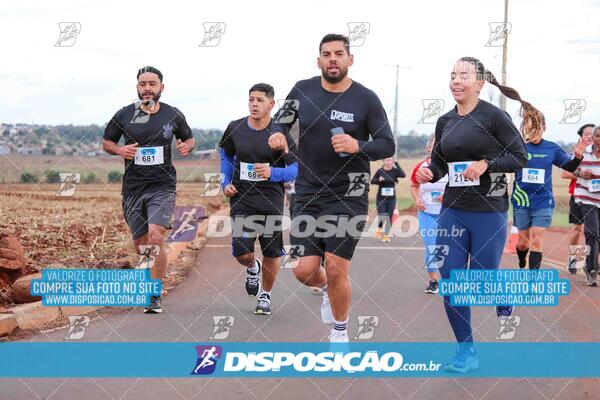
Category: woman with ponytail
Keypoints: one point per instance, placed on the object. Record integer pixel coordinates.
(532, 198)
(475, 144)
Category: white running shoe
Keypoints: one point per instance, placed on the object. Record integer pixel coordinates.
(338, 336)
(326, 313)
(338, 342)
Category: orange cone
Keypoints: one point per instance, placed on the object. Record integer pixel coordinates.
(513, 238)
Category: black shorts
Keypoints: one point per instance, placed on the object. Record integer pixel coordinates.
(328, 223)
(575, 213)
(148, 208)
(244, 236)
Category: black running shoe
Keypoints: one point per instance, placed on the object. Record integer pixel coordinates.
(155, 306)
(263, 307)
(253, 281)
(591, 277)
(432, 288)
(571, 266)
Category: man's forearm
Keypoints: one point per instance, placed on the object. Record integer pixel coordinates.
(191, 143)
(110, 147)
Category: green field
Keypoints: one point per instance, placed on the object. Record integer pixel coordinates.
(11, 167)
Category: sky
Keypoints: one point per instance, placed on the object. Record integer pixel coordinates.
(553, 55)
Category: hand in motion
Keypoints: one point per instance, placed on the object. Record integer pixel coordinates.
(230, 190)
(263, 170)
(475, 170)
(424, 175)
(128, 151)
(277, 141)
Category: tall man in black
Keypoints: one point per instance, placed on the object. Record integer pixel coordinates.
(336, 116)
(150, 179)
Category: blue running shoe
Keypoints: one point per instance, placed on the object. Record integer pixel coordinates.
(464, 360)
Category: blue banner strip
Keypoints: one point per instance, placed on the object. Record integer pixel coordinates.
(182, 359)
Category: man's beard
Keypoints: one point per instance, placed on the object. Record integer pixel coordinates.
(335, 79)
(155, 98)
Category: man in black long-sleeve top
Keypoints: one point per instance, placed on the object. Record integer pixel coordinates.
(343, 126)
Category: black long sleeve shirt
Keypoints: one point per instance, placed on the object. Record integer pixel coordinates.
(357, 110)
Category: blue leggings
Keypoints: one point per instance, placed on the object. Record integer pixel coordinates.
(480, 235)
(427, 229)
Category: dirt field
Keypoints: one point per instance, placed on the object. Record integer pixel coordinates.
(79, 231)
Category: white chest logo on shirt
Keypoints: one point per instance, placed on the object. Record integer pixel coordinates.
(168, 131)
(435, 198)
(341, 116)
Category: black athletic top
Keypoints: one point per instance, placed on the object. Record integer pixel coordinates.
(154, 134)
(358, 111)
(487, 133)
(250, 146)
(390, 178)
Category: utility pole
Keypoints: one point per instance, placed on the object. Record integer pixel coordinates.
(395, 121)
(395, 128)
(504, 54)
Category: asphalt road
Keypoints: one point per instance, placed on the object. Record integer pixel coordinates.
(388, 282)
